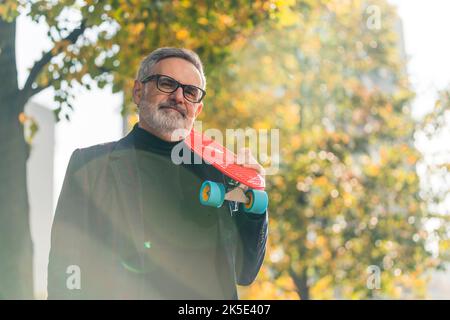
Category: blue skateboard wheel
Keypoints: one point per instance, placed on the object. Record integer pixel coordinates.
(258, 201)
(212, 194)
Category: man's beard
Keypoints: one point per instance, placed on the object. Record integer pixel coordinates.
(165, 121)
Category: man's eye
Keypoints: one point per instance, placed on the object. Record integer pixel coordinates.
(167, 83)
(191, 91)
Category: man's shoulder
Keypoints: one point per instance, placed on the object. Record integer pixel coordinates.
(96, 153)
(92, 161)
(98, 149)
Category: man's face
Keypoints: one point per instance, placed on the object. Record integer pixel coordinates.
(161, 113)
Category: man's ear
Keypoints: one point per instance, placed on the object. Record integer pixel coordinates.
(199, 109)
(137, 92)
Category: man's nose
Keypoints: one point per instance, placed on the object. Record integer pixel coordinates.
(178, 95)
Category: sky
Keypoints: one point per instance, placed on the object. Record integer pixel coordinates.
(426, 26)
(96, 118)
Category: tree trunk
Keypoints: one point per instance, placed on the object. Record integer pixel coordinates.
(301, 282)
(16, 248)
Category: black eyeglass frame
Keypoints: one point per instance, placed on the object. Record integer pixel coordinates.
(157, 76)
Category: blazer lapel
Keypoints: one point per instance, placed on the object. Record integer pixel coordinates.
(124, 166)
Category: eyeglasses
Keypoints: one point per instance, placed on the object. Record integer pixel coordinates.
(167, 84)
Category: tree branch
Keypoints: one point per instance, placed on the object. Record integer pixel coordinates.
(39, 89)
(39, 65)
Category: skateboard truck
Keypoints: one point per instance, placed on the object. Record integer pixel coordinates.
(237, 194)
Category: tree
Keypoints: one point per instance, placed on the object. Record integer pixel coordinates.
(93, 43)
(347, 198)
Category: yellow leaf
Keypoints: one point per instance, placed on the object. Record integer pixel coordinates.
(137, 28)
(203, 21)
(288, 17)
(182, 34)
(22, 118)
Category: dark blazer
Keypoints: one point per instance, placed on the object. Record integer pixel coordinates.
(98, 222)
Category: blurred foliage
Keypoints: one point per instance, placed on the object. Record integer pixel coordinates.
(437, 120)
(433, 129)
(347, 194)
(103, 42)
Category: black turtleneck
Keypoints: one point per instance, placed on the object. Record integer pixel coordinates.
(145, 140)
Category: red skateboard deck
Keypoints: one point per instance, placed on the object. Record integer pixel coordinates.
(224, 160)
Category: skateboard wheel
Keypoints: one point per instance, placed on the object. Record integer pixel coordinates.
(212, 194)
(258, 201)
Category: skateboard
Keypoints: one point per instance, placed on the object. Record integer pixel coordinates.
(243, 186)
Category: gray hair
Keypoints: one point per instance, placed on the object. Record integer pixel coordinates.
(170, 52)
